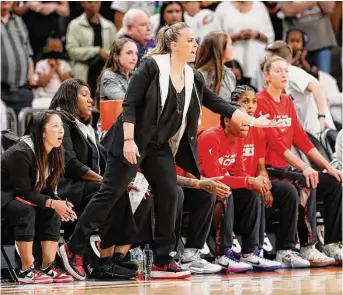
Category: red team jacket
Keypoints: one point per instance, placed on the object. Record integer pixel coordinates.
(291, 132)
(220, 157)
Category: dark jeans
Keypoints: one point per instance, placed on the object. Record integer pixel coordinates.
(17, 100)
(32, 223)
(157, 164)
(200, 205)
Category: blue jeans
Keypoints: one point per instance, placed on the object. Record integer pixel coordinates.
(322, 58)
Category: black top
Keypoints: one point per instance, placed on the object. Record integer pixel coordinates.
(95, 69)
(142, 107)
(171, 117)
(19, 176)
(41, 27)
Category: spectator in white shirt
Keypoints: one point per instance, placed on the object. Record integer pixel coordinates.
(250, 28)
(51, 71)
(309, 97)
(339, 150)
(203, 19)
(121, 7)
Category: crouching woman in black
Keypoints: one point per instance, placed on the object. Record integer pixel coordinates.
(30, 170)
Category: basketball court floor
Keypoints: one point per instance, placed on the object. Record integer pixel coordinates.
(298, 282)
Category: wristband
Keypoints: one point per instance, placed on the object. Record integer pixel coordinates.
(321, 116)
(305, 167)
(128, 139)
(252, 122)
(51, 202)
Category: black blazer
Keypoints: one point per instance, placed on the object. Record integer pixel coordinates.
(19, 175)
(78, 160)
(142, 106)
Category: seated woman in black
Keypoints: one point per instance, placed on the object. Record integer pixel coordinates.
(30, 170)
(85, 161)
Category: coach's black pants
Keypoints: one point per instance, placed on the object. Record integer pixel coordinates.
(200, 205)
(157, 164)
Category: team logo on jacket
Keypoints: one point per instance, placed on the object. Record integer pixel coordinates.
(227, 160)
(249, 150)
(285, 121)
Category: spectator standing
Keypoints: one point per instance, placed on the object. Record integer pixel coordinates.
(122, 7)
(171, 12)
(203, 18)
(42, 21)
(16, 64)
(89, 39)
(313, 17)
(250, 29)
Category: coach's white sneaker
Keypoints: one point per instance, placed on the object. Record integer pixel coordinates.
(335, 251)
(291, 259)
(192, 261)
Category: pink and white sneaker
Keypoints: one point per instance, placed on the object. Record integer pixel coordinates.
(57, 275)
(33, 276)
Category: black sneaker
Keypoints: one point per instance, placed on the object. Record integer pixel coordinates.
(112, 271)
(123, 260)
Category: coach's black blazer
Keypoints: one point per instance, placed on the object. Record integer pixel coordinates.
(142, 106)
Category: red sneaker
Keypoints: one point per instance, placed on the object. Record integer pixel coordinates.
(170, 271)
(57, 275)
(73, 263)
(33, 276)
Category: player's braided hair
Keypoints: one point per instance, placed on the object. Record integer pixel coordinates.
(237, 93)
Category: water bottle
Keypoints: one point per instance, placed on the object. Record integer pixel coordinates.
(140, 263)
(147, 261)
(137, 256)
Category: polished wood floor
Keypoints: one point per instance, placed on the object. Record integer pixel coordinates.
(298, 282)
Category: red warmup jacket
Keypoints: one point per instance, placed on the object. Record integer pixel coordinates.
(254, 149)
(220, 157)
(282, 138)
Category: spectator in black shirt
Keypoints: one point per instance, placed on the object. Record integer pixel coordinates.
(42, 20)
